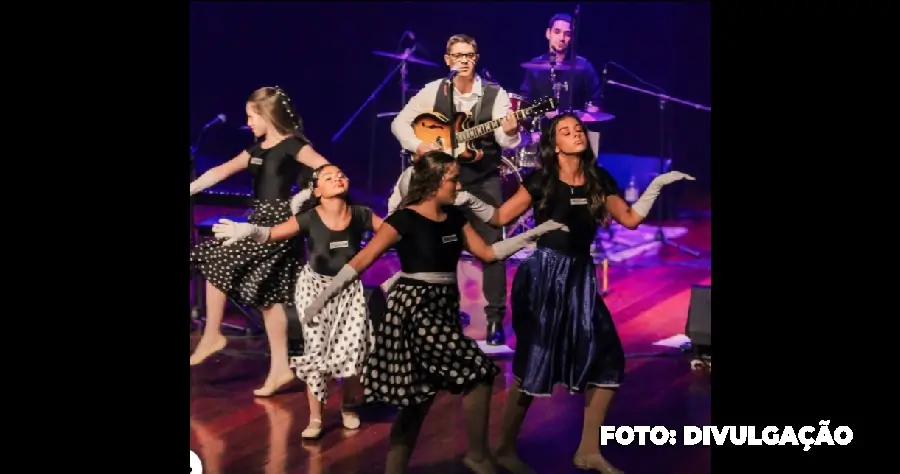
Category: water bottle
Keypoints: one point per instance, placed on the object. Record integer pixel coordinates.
(631, 192)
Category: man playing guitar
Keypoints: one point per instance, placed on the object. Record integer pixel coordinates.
(480, 177)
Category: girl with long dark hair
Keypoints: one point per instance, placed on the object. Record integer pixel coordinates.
(254, 274)
(420, 347)
(564, 332)
(338, 346)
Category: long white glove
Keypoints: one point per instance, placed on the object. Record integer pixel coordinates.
(206, 180)
(645, 202)
(300, 198)
(234, 231)
(507, 247)
(481, 209)
(340, 281)
(386, 286)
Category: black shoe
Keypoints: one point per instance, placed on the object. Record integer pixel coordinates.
(495, 336)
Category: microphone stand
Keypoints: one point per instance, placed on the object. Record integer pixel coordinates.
(402, 65)
(663, 162)
(573, 57)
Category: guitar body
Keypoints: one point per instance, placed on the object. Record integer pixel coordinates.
(436, 128)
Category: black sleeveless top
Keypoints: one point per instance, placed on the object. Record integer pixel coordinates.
(329, 250)
(275, 169)
(568, 206)
(426, 245)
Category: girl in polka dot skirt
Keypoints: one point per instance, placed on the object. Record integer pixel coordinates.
(420, 347)
(250, 273)
(338, 346)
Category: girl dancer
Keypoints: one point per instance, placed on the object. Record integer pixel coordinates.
(260, 275)
(338, 347)
(420, 347)
(565, 334)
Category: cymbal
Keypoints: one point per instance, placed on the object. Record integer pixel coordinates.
(593, 117)
(545, 66)
(409, 57)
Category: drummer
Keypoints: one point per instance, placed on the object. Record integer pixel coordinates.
(585, 84)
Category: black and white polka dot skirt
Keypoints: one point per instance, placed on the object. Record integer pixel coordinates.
(337, 346)
(253, 274)
(420, 347)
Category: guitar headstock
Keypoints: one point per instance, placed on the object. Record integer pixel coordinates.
(543, 105)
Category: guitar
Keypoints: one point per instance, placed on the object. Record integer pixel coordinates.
(435, 128)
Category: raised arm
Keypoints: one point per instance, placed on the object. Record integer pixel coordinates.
(632, 216)
(219, 173)
(502, 107)
(310, 157)
(503, 249)
(622, 213)
(420, 103)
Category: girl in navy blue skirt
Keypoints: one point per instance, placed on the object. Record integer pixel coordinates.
(564, 332)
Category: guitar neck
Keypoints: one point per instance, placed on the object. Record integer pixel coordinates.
(488, 127)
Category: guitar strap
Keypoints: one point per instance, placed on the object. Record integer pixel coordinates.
(477, 114)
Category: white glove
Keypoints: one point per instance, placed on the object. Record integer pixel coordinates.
(234, 231)
(206, 180)
(478, 207)
(386, 286)
(338, 283)
(645, 202)
(507, 247)
(298, 200)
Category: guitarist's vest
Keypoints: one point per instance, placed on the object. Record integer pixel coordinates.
(489, 164)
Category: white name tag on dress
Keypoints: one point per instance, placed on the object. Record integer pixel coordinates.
(578, 201)
(449, 238)
(339, 245)
(256, 161)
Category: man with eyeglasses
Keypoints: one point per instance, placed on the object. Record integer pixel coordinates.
(487, 101)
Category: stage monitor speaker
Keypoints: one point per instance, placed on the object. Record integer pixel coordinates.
(699, 324)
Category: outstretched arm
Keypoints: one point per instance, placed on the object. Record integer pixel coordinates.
(285, 230)
(476, 245)
(376, 223)
(384, 238)
(503, 249)
(632, 216)
(310, 157)
(622, 213)
(512, 208)
(220, 173)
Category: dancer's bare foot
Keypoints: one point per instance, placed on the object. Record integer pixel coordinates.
(509, 459)
(595, 462)
(482, 466)
(208, 346)
(273, 384)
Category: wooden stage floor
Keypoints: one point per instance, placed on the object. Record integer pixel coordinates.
(236, 434)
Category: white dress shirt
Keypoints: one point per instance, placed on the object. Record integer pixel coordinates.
(423, 102)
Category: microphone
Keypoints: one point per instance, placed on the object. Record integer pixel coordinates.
(453, 72)
(219, 119)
